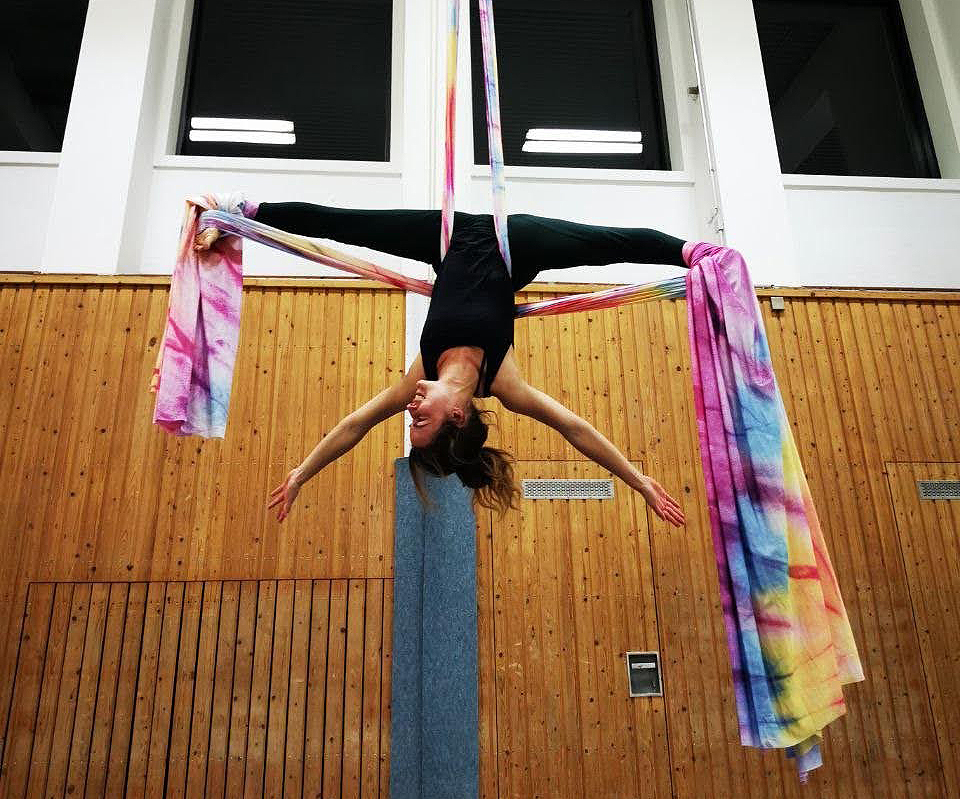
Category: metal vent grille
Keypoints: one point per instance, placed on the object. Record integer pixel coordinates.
(939, 489)
(568, 489)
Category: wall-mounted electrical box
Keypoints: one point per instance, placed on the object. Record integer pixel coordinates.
(643, 672)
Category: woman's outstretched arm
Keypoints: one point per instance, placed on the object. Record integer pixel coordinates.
(347, 433)
(519, 396)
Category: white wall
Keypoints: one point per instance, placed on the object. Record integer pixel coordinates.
(27, 182)
(794, 230)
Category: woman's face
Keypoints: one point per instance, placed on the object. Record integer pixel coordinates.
(431, 406)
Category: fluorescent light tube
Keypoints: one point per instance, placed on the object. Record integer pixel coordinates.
(222, 123)
(581, 147)
(251, 136)
(561, 134)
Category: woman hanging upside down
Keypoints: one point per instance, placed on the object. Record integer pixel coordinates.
(466, 347)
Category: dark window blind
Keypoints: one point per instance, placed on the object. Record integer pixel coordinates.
(325, 66)
(843, 89)
(571, 64)
(39, 48)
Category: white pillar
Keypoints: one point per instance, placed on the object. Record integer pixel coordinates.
(741, 129)
(108, 137)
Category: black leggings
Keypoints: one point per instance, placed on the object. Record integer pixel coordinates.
(536, 242)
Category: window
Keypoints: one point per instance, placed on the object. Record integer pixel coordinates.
(289, 79)
(843, 91)
(39, 48)
(586, 74)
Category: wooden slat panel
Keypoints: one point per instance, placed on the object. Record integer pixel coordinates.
(216, 669)
(867, 378)
(930, 534)
(27, 695)
(569, 599)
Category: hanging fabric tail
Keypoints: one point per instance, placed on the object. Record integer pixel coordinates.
(449, 153)
(494, 137)
(194, 370)
(790, 642)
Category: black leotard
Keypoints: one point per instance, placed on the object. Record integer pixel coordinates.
(472, 301)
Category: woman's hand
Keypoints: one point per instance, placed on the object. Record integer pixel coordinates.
(660, 501)
(205, 238)
(284, 495)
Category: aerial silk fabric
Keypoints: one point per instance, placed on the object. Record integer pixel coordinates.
(494, 137)
(790, 643)
(194, 369)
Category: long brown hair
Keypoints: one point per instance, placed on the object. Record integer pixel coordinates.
(461, 451)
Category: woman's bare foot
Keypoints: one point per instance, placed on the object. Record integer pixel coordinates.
(205, 238)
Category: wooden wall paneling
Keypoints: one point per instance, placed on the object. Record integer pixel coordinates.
(210, 776)
(294, 445)
(510, 649)
(261, 471)
(243, 686)
(915, 349)
(350, 759)
(235, 559)
(879, 600)
(148, 463)
(200, 722)
(487, 658)
(126, 442)
(564, 724)
(933, 349)
(70, 686)
(278, 687)
(357, 516)
(29, 694)
(314, 740)
(283, 415)
(930, 536)
(385, 696)
(342, 521)
(256, 732)
(52, 640)
(163, 697)
(334, 374)
(69, 530)
(333, 728)
(60, 367)
(177, 755)
(310, 535)
(146, 689)
(615, 339)
(108, 678)
(899, 714)
(109, 445)
(297, 697)
(920, 437)
(124, 708)
(373, 678)
(945, 351)
(21, 372)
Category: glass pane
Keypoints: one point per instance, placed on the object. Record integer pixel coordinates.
(321, 68)
(843, 90)
(565, 64)
(39, 48)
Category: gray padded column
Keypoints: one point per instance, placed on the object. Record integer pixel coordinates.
(434, 749)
